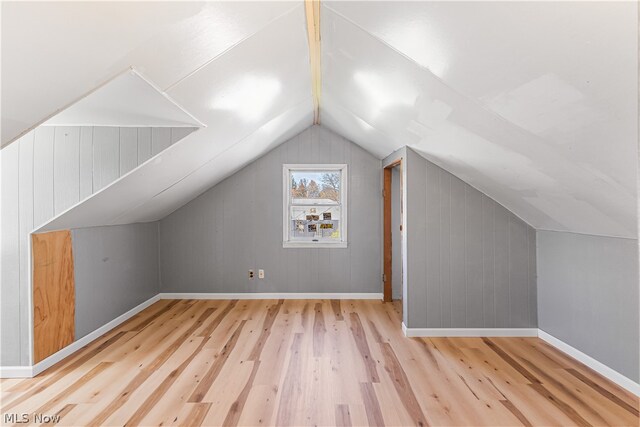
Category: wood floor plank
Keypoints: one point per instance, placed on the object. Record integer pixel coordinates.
(197, 414)
(604, 392)
(343, 416)
(221, 316)
(53, 377)
(345, 365)
(403, 386)
(562, 405)
(267, 325)
(312, 362)
(154, 398)
(337, 309)
(233, 416)
(216, 366)
(319, 331)
(370, 400)
(563, 391)
(148, 370)
(100, 367)
(361, 341)
(291, 387)
(515, 411)
(511, 361)
(140, 325)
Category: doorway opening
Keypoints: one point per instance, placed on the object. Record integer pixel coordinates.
(392, 193)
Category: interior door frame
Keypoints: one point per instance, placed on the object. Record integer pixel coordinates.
(387, 275)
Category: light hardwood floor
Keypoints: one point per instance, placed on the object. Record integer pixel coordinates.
(321, 362)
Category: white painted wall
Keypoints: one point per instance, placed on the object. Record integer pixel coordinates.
(44, 173)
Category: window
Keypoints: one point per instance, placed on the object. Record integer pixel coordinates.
(315, 211)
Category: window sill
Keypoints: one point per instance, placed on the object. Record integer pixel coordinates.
(290, 245)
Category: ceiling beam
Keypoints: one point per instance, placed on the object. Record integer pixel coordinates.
(312, 11)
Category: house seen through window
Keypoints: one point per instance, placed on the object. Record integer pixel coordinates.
(315, 208)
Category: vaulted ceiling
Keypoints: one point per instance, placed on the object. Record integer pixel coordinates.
(534, 103)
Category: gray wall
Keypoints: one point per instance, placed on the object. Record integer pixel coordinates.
(116, 268)
(588, 296)
(209, 244)
(470, 262)
(44, 173)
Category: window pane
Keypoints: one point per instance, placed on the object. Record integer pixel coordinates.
(315, 187)
(311, 223)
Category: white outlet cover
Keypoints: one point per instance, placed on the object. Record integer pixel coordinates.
(261, 274)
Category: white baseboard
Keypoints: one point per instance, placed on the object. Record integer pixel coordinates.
(32, 371)
(285, 295)
(592, 363)
(469, 332)
(16, 371)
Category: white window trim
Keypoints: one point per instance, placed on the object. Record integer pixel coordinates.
(286, 192)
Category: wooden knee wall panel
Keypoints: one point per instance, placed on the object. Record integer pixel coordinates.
(53, 293)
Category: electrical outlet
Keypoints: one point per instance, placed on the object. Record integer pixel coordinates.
(260, 274)
(250, 274)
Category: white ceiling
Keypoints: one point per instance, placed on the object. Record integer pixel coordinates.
(54, 53)
(127, 100)
(534, 103)
(251, 99)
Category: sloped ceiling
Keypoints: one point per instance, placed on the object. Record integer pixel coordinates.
(53, 53)
(534, 103)
(252, 98)
(127, 100)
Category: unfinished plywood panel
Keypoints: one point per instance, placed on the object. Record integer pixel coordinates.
(53, 293)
